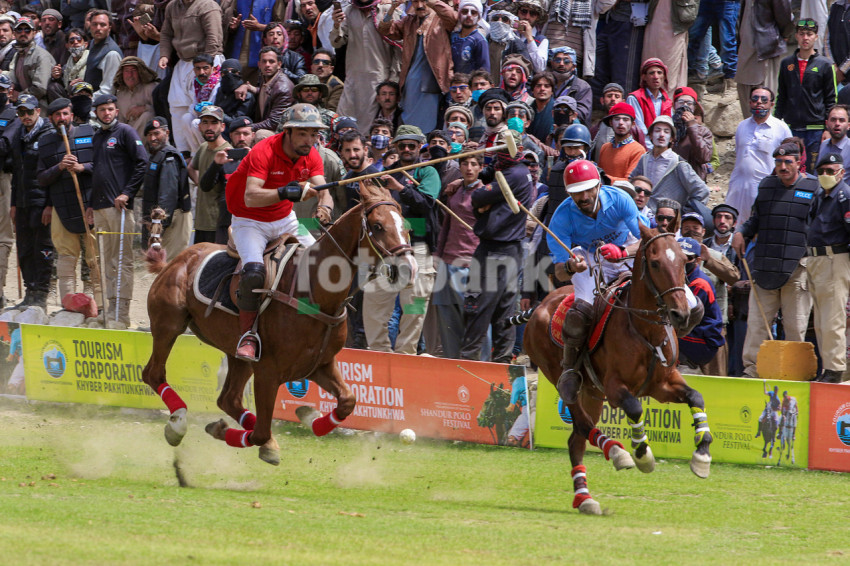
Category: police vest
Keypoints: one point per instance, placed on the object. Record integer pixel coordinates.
(63, 194)
(151, 194)
(7, 117)
(781, 242)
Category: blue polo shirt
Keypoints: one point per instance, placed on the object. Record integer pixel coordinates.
(617, 217)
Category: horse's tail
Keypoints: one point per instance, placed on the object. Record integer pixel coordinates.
(156, 258)
(521, 317)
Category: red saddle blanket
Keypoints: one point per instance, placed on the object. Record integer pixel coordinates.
(556, 325)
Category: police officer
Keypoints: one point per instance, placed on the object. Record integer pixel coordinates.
(166, 185)
(54, 174)
(223, 166)
(32, 220)
(7, 234)
(779, 267)
(828, 264)
(120, 163)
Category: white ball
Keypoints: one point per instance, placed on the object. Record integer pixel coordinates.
(407, 436)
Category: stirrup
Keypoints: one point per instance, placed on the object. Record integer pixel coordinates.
(246, 339)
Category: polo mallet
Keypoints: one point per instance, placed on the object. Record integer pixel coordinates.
(509, 144)
(120, 265)
(91, 241)
(517, 206)
(441, 203)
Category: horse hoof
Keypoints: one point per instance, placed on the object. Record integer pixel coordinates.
(647, 463)
(590, 507)
(701, 464)
(217, 429)
(176, 427)
(621, 459)
(270, 452)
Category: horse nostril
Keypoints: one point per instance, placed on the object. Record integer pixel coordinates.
(678, 318)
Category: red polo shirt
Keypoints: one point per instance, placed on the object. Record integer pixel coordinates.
(267, 161)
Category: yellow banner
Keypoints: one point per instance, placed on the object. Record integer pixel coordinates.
(104, 367)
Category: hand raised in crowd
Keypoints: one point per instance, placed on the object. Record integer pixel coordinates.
(338, 17)
(525, 29)
(56, 72)
(151, 32)
(251, 24)
(46, 214)
(234, 22)
(220, 157)
(121, 202)
(390, 183)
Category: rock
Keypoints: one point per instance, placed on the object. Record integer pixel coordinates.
(33, 315)
(93, 323)
(67, 318)
(722, 113)
(115, 325)
(9, 316)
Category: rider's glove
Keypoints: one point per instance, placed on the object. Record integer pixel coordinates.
(292, 191)
(612, 252)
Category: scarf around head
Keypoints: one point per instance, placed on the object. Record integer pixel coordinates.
(204, 92)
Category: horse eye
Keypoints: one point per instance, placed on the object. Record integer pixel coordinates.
(654, 264)
(377, 227)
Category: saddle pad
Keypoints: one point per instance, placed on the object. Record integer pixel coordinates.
(214, 268)
(556, 325)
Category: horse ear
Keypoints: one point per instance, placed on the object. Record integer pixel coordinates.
(645, 231)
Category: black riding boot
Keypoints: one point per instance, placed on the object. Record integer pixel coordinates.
(253, 276)
(576, 328)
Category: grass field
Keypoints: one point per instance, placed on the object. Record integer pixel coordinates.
(367, 499)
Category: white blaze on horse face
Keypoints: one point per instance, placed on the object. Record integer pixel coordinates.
(411, 261)
(671, 255)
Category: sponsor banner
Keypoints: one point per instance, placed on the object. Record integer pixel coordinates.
(11, 360)
(104, 367)
(829, 448)
(437, 398)
(741, 413)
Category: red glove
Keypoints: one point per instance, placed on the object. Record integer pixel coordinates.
(612, 252)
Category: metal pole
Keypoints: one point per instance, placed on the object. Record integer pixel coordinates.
(120, 264)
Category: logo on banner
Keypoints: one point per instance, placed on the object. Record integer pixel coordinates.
(463, 394)
(564, 412)
(53, 357)
(298, 389)
(841, 420)
(745, 414)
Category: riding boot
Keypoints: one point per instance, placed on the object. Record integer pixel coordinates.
(252, 276)
(576, 328)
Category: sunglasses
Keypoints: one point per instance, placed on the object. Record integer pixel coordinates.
(25, 112)
(310, 89)
(807, 24)
(664, 218)
(24, 30)
(75, 40)
(403, 146)
(562, 60)
(642, 191)
(469, 12)
(783, 161)
(504, 19)
(755, 99)
(526, 12)
(456, 88)
(322, 62)
(830, 171)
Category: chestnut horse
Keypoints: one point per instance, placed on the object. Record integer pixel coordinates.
(637, 356)
(299, 342)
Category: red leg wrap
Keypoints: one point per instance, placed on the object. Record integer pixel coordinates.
(579, 499)
(579, 474)
(602, 442)
(247, 420)
(170, 397)
(237, 438)
(326, 423)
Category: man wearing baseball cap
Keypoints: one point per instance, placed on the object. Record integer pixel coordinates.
(120, 164)
(596, 216)
(166, 186)
(260, 195)
(701, 344)
(620, 156)
(32, 63)
(779, 219)
(211, 126)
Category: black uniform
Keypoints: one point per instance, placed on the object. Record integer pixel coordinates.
(61, 193)
(829, 220)
(35, 247)
(166, 185)
(491, 297)
(120, 165)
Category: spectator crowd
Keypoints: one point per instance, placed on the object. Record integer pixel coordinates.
(138, 104)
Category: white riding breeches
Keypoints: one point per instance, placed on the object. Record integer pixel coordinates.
(251, 236)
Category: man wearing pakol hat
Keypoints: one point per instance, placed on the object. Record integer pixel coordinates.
(651, 99)
(620, 156)
(260, 195)
(493, 104)
(29, 199)
(419, 208)
(7, 40)
(700, 345)
(470, 51)
(672, 177)
(596, 216)
(516, 71)
(120, 164)
(563, 63)
(67, 224)
(426, 67)
(31, 66)
(828, 264)
(166, 186)
(778, 218)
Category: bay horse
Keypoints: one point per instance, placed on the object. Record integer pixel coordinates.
(637, 356)
(298, 342)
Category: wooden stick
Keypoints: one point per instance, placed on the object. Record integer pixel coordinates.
(758, 301)
(441, 203)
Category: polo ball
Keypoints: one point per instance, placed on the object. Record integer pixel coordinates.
(407, 436)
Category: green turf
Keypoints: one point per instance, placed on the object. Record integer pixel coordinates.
(364, 499)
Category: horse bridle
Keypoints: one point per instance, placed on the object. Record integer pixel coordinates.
(663, 310)
(382, 252)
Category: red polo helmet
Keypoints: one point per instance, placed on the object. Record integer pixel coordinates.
(580, 176)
